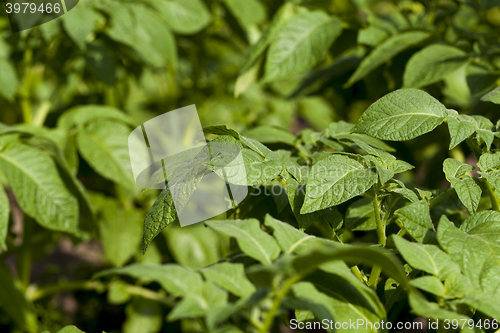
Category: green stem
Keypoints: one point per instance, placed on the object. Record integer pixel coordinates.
(495, 201)
(382, 239)
(357, 273)
(441, 197)
(374, 276)
(25, 93)
(24, 256)
(268, 322)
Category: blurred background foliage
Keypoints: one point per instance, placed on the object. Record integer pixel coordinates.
(148, 57)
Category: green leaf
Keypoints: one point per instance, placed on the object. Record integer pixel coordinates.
(248, 12)
(432, 64)
(427, 258)
(184, 16)
(468, 191)
(360, 216)
(81, 115)
(143, 315)
(143, 30)
(39, 189)
(171, 277)
(70, 329)
(493, 96)
(284, 13)
(230, 276)
(334, 180)
(317, 111)
(8, 80)
(430, 284)
(289, 238)
(417, 221)
(120, 231)
(269, 134)
(4, 218)
(402, 115)
(461, 127)
(194, 246)
(386, 51)
(14, 303)
(104, 145)
(475, 248)
(250, 237)
(489, 161)
(300, 43)
(79, 24)
(421, 307)
(340, 308)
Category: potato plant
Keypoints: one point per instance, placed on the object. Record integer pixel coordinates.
(370, 140)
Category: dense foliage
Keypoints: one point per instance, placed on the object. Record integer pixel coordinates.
(370, 140)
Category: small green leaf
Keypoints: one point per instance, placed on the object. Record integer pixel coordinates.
(489, 161)
(269, 134)
(230, 276)
(300, 43)
(334, 180)
(430, 284)
(70, 329)
(4, 218)
(461, 127)
(432, 64)
(468, 191)
(417, 221)
(386, 51)
(402, 115)
(250, 237)
(184, 16)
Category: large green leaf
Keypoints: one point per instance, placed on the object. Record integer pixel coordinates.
(342, 308)
(39, 189)
(428, 258)
(184, 16)
(251, 239)
(79, 24)
(417, 221)
(81, 115)
(143, 315)
(193, 246)
(475, 247)
(432, 64)
(288, 237)
(402, 115)
(386, 51)
(4, 217)
(173, 278)
(14, 303)
(300, 43)
(334, 180)
(104, 145)
(248, 12)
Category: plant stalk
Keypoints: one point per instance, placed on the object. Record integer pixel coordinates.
(495, 201)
